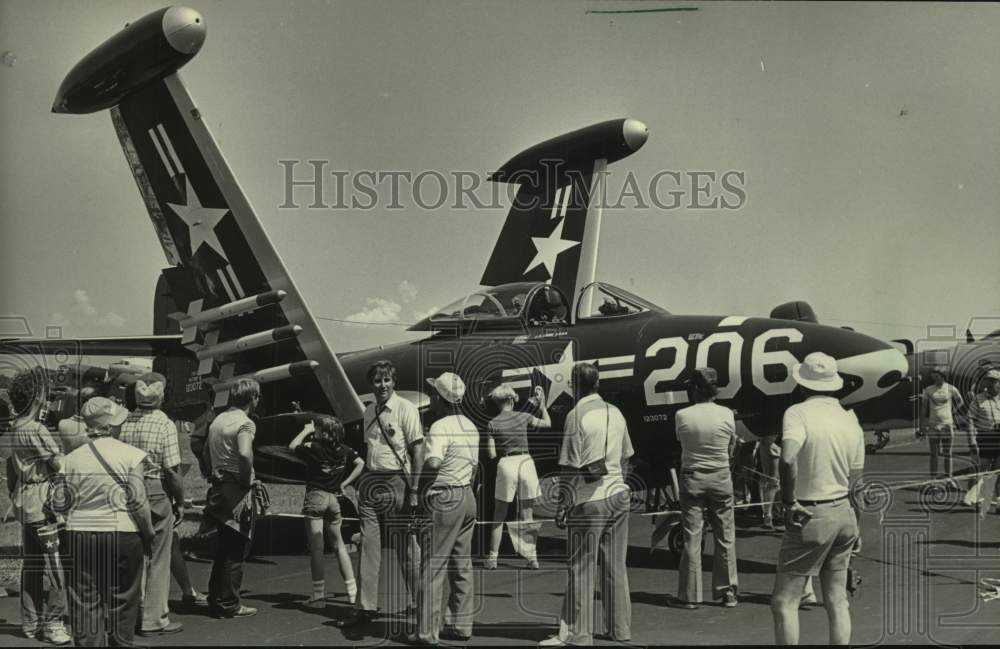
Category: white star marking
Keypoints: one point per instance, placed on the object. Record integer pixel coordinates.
(558, 375)
(201, 222)
(49, 545)
(549, 248)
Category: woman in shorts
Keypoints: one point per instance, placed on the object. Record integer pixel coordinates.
(941, 400)
(331, 467)
(516, 476)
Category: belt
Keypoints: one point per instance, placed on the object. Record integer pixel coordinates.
(701, 470)
(442, 487)
(513, 453)
(813, 503)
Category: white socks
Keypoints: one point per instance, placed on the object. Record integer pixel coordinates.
(319, 589)
(352, 590)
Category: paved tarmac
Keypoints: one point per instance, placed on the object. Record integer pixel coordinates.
(923, 556)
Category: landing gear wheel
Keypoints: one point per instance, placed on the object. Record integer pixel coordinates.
(675, 540)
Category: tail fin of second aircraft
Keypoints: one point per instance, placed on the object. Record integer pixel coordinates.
(552, 230)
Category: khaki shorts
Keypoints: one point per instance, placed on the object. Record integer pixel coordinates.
(824, 543)
(940, 431)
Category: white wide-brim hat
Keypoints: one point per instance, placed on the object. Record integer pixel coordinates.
(818, 371)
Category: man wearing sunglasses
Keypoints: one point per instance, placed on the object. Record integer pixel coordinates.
(395, 452)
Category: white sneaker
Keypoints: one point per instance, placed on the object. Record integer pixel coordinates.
(56, 634)
(554, 641)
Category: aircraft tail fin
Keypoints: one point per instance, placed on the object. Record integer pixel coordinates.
(553, 228)
(240, 311)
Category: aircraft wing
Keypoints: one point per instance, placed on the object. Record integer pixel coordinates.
(243, 316)
(110, 346)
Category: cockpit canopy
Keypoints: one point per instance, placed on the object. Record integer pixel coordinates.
(502, 306)
(533, 304)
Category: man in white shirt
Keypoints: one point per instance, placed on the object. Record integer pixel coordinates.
(451, 458)
(395, 453)
(822, 456)
(597, 515)
(707, 434)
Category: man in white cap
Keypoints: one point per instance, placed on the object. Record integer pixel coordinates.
(150, 430)
(450, 461)
(106, 533)
(822, 456)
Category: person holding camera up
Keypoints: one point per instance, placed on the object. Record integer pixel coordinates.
(822, 456)
(516, 475)
(35, 460)
(594, 508)
(388, 490)
(332, 466)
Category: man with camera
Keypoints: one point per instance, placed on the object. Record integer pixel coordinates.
(394, 438)
(594, 508)
(35, 460)
(822, 456)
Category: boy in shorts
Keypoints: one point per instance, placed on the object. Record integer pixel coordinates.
(332, 467)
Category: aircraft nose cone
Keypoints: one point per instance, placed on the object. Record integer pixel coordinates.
(877, 370)
(635, 133)
(184, 29)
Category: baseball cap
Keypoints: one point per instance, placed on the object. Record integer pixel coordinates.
(818, 371)
(149, 389)
(450, 386)
(99, 412)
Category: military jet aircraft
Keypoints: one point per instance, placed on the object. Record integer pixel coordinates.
(226, 307)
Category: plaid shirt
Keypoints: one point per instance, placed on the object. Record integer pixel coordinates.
(153, 432)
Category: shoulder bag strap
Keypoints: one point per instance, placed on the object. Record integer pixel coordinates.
(385, 436)
(117, 478)
(607, 427)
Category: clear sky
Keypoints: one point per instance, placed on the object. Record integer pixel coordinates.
(867, 132)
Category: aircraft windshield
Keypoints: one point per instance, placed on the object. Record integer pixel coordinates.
(600, 300)
(496, 302)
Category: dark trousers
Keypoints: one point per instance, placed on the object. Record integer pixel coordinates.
(103, 586)
(227, 572)
(41, 564)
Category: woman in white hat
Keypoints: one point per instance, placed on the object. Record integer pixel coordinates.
(103, 497)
